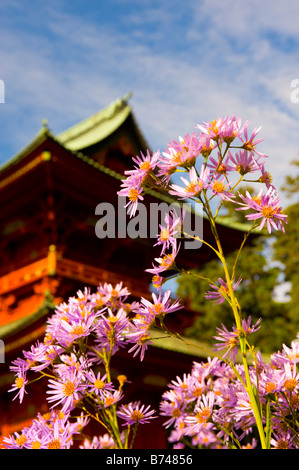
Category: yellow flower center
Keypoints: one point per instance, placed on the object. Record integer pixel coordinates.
(218, 186)
(257, 199)
(194, 187)
(164, 234)
(136, 415)
(270, 387)
(223, 290)
(133, 194)
(99, 384)
(206, 150)
(48, 338)
(281, 444)
(230, 138)
(19, 382)
(290, 385)
(157, 309)
(176, 413)
(68, 388)
(213, 129)
(109, 401)
(167, 261)
(77, 330)
(157, 281)
(197, 392)
(203, 415)
(54, 444)
(222, 169)
(35, 445)
(21, 440)
(243, 169)
(248, 146)
(232, 342)
(267, 178)
(269, 212)
(145, 165)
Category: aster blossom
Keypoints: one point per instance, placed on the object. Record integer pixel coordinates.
(134, 413)
(167, 261)
(160, 306)
(194, 187)
(221, 293)
(224, 129)
(169, 231)
(19, 386)
(250, 143)
(65, 390)
(132, 189)
(266, 207)
(145, 165)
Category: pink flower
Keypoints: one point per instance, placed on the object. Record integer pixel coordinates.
(220, 293)
(19, 385)
(110, 398)
(244, 162)
(144, 166)
(132, 189)
(133, 413)
(141, 339)
(267, 207)
(70, 331)
(168, 233)
(249, 143)
(193, 187)
(201, 415)
(265, 177)
(173, 406)
(179, 154)
(160, 305)
(219, 188)
(220, 168)
(98, 384)
(66, 390)
(228, 340)
(110, 293)
(166, 262)
(224, 129)
(110, 331)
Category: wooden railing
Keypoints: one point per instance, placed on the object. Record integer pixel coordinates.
(56, 265)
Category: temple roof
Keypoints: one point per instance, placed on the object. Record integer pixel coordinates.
(99, 126)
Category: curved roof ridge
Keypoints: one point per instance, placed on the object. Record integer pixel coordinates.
(96, 127)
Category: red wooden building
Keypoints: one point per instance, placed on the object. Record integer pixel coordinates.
(49, 250)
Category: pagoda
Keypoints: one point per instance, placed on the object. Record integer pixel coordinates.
(49, 250)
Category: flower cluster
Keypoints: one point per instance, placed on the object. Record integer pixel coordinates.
(53, 430)
(220, 403)
(80, 339)
(209, 175)
(209, 407)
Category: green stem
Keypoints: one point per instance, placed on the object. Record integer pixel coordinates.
(235, 307)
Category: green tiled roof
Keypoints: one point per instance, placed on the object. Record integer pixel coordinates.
(97, 127)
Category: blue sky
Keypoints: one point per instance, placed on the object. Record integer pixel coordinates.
(184, 62)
